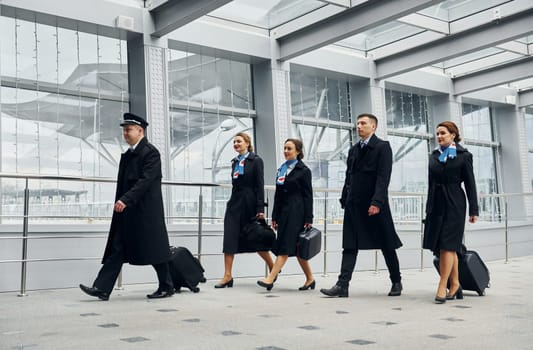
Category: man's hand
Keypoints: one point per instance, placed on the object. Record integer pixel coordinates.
(119, 206)
(373, 210)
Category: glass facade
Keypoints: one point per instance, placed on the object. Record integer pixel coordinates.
(62, 98)
(478, 135)
(210, 101)
(321, 97)
(406, 111)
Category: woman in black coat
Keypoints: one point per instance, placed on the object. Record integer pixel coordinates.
(292, 212)
(449, 166)
(246, 201)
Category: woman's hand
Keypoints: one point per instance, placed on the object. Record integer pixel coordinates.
(308, 225)
(274, 225)
(260, 216)
(472, 219)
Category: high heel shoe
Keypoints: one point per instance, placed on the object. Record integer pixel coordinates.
(228, 284)
(308, 286)
(439, 300)
(268, 286)
(457, 295)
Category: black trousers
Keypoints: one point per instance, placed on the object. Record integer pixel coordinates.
(349, 257)
(108, 274)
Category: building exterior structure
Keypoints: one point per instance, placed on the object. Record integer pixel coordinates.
(203, 70)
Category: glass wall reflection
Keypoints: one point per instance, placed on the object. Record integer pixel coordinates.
(477, 127)
(210, 101)
(62, 98)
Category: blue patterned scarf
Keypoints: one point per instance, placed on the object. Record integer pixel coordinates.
(448, 152)
(282, 171)
(239, 165)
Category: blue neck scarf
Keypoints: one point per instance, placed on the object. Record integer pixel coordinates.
(239, 165)
(448, 152)
(282, 171)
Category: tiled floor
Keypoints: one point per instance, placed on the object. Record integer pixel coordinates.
(248, 317)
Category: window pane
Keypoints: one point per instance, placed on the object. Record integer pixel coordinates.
(325, 151)
(209, 80)
(59, 134)
(484, 169)
(406, 111)
(202, 145)
(320, 97)
(410, 162)
(476, 122)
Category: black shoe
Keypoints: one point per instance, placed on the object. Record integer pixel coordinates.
(228, 284)
(396, 289)
(158, 294)
(457, 295)
(439, 300)
(95, 292)
(308, 286)
(268, 286)
(336, 291)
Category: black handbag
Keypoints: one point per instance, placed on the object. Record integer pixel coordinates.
(257, 236)
(309, 243)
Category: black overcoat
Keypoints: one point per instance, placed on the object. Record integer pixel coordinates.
(247, 199)
(293, 207)
(367, 180)
(142, 223)
(446, 202)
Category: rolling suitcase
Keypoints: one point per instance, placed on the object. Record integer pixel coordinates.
(185, 269)
(309, 243)
(473, 273)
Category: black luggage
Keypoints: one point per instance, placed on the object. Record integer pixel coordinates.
(309, 243)
(473, 273)
(256, 236)
(185, 269)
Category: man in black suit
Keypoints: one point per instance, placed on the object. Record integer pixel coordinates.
(367, 217)
(138, 233)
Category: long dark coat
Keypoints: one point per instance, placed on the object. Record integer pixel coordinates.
(142, 224)
(247, 199)
(293, 207)
(367, 180)
(446, 203)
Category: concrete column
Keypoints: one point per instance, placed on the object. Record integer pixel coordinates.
(272, 103)
(376, 94)
(148, 86)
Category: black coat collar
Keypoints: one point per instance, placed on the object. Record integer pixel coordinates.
(141, 144)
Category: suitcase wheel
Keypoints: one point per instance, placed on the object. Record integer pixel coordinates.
(481, 293)
(203, 280)
(195, 289)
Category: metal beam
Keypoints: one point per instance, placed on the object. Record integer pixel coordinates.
(488, 35)
(176, 13)
(347, 23)
(425, 22)
(525, 98)
(502, 74)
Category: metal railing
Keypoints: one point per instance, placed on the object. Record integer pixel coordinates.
(407, 209)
